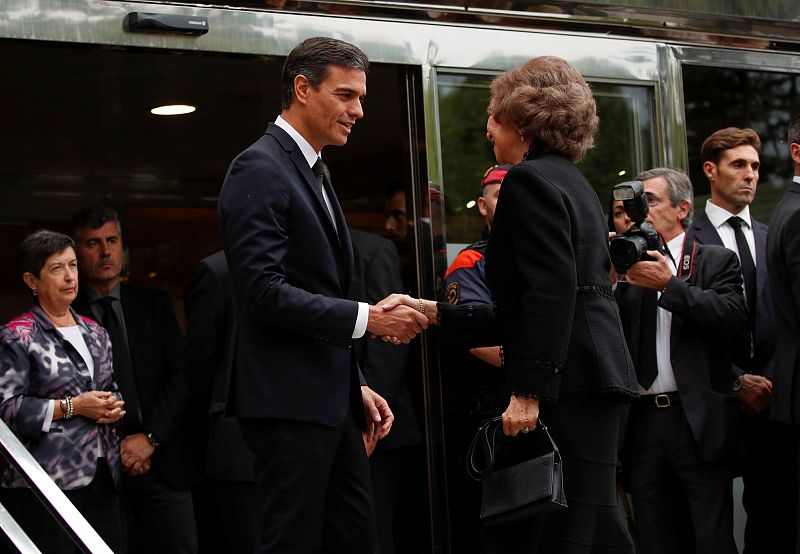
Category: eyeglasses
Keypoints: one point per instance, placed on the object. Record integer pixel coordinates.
(652, 199)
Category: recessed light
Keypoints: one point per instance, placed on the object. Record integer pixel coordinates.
(471, 204)
(173, 109)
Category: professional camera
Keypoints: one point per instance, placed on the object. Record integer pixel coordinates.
(631, 246)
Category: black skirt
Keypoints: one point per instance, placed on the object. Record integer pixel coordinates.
(589, 432)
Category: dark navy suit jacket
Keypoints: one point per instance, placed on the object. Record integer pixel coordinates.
(761, 362)
(709, 318)
(291, 269)
(783, 257)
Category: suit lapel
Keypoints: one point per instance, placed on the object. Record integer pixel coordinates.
(309, 181)
(341, 229)
(760, 236)
(677, 322)
(704, 232)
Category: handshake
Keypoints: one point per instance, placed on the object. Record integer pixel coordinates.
(399, 318)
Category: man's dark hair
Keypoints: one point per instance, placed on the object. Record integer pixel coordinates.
(794, 130)
(725, 139)
(93, 218)
(37, 247)
(312, 58)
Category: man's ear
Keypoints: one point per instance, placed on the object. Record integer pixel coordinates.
(710, 170)
(302, 88)
(684, 208)
(794, 150)
(482, 205)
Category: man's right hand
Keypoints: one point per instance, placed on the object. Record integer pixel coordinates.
(402, 322)
(754, 394)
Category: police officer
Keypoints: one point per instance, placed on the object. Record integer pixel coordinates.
(472, 381)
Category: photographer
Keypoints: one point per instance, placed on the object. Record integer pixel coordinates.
(683, 313)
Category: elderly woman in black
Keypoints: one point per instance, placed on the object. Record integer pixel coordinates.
(58, 396)
(547, 266)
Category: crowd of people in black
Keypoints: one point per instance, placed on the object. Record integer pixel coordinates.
(281, 421)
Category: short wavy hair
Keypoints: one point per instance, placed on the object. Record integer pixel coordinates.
(726, 139)
(36, 249)
(550, 103)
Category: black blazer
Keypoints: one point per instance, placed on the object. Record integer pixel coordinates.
(709, 319)
(783, 260)
(156, 347)
(210, 339)
(547, 266)
(291, 270)
(375, 276)
(764, 326)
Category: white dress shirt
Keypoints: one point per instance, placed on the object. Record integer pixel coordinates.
(665, 380)
(311, 157)
(719, 219)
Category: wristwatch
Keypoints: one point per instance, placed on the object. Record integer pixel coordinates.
(151, 438)
(737, 384)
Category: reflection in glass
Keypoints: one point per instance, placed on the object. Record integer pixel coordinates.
(623, 146)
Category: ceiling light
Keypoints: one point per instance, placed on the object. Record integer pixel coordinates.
(471, 204)
(173, 109)
(621, 173)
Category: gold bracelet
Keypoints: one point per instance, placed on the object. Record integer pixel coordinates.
(70, 407)
(421, 306)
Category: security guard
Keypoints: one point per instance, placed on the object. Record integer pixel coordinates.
(471, 381)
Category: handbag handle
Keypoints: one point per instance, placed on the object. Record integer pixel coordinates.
(488, 434)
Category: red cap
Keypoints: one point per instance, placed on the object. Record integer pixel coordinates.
(495, 174)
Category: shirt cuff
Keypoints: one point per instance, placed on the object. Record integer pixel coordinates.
(361, 320)
(48, 416)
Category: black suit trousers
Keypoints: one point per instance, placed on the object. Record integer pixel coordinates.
(768, 471)
(314, 492)
(667, 475)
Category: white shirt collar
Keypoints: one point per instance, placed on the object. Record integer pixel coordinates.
(719, 216)
(675, 247)
(309, 154)
(796, 179)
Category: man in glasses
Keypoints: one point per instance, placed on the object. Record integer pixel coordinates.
(683, 313)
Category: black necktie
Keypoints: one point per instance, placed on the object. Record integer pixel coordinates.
(319, 174)
(647, 366)
(748, 266)
(316, 169)
(123, 367)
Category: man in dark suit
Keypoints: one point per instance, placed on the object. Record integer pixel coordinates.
(783, 262)
(149, 367)
(682, 312)
(296, 387)
(376, 275)
(224, 499)
(731, 163)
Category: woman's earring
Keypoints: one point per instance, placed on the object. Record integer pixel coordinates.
(521, 136)
(35, 292)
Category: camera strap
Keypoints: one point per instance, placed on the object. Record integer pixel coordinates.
(687, 258)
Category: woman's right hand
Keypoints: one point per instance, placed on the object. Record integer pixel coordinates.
(101, 406)
(430, 306)
(521, 416)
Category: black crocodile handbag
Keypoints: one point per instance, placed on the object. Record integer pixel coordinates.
(521, 476)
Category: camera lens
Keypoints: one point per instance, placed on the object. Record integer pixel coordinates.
(626, 251)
